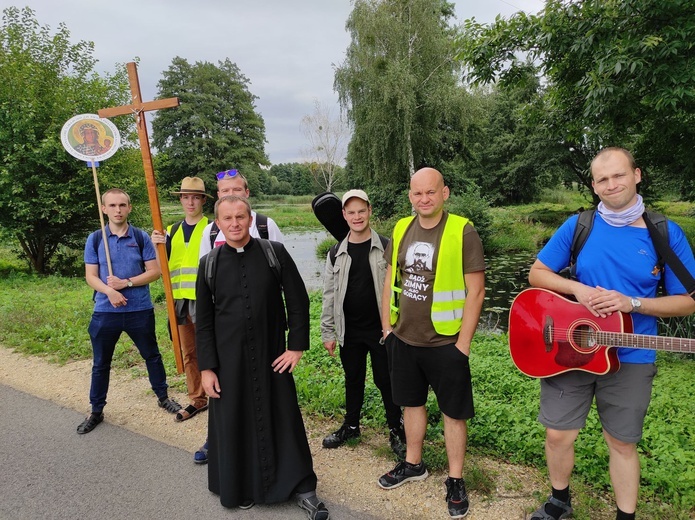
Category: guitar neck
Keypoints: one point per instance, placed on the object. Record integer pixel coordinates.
(621, 339)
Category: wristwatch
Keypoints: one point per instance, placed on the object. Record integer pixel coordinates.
(636, 304)
(130, 283)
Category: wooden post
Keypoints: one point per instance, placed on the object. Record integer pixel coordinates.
(138, 109)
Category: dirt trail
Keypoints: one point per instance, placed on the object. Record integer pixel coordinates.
(346, 475)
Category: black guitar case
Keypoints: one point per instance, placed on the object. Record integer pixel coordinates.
(328, 209)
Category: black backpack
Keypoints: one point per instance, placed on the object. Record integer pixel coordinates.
(657, 224)
(585, 223)
(139, 236)
(211, 264)
(261, 225)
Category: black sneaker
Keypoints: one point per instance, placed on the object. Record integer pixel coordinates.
(315, 509)
(456, 497)
(340, 437)
(402, 473)
(397, 442)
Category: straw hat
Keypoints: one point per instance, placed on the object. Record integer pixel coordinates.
(193, 185)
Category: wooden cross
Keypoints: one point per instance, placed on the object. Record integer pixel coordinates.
(138, 109)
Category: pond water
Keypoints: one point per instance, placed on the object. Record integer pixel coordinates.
(302, 247)
(505, 277)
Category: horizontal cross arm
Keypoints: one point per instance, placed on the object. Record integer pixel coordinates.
(140, 107)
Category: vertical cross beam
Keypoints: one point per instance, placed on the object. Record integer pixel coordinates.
(138, 109)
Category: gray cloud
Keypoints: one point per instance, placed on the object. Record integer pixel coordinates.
(286, 48)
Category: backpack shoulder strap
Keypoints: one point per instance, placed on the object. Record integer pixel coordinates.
(211, 269)
(585, 222)
(271, 257)
(333, 252)
(214, 230)
(384, 241)
(665, 252)
(174, 228)
(262, 225)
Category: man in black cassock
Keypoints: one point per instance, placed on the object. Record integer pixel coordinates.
(258, 450)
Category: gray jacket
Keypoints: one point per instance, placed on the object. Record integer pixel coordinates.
(335, 280)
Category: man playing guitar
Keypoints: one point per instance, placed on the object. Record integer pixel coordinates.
(614, 272)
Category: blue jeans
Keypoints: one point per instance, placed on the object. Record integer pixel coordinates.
(104, 331)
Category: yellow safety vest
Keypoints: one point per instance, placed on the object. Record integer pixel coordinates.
(183, 261)
(449, 291)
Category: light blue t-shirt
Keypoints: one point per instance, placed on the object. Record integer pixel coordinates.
(621, 259)
(126, 262)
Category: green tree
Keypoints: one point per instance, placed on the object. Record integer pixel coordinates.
(396, 86)
(509, 156)
(215, 128)
(294, 179)
(47, 197)
(619, 72)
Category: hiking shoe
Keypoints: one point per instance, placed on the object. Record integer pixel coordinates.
(315, 509)
(402, 473)
(456, 497)
(558, 510)
(169, 404)
(341, 436)
(92, 421)
(201, 456)
(397, 442)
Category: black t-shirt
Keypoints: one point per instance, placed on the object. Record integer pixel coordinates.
(362, 320)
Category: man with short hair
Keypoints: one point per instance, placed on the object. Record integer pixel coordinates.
(232, 182)
(183, 241)
(122, 303)
(252, 329)
(352, 285)
(616, 271)
(430, 308)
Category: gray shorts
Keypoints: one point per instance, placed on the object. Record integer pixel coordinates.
(622, 399)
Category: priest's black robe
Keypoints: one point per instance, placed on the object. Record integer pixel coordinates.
(258, 449)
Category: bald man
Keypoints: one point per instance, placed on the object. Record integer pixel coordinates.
(431, 304)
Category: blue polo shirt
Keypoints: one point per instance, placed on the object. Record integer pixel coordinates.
(126, 261)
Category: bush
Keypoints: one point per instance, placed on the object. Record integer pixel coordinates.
(389, 200)
(475, 208)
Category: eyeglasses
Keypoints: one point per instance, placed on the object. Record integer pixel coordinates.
(227, 173)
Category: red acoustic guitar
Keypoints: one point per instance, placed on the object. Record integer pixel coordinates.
(549, 335)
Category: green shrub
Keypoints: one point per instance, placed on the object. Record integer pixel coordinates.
(474, 207)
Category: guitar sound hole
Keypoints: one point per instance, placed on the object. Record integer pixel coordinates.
(583, 337)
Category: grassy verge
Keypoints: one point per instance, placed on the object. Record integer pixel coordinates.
(53, 323)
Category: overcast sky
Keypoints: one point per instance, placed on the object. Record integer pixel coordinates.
(286, 48)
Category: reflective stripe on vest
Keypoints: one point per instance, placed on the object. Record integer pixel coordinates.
(449, 291)
(183, 262)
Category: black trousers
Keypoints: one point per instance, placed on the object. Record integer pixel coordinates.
(353, 356)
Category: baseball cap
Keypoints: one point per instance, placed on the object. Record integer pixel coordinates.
(355, 193)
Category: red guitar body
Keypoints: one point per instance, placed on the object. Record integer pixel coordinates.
(549, 335)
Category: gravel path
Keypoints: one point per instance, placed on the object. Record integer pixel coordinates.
(346, 475)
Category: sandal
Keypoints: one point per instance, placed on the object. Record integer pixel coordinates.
(169, 404)
(188, 412)
(566, 507)
(91, 422)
